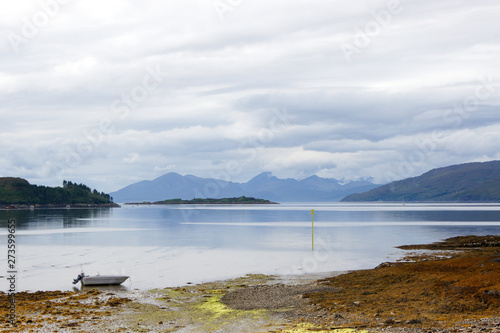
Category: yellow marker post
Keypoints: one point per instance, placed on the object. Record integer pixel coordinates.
(312, 229)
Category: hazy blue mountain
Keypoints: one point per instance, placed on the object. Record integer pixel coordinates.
(264, 186)
(470, 182)
(174, 186)
(321, 184)
(348, 189)
(272, 188)
(310, 189)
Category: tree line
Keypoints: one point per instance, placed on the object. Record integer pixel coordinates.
(20, 191)
(69, 184)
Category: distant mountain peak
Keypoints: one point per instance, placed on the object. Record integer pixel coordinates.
(318, 178)
(264, 176)
(267, 174)
(169, 175)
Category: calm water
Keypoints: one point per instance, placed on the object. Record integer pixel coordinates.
(161, 246)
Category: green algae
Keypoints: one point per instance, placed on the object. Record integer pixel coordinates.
(306, 328)
(216, 315)
(198, 308)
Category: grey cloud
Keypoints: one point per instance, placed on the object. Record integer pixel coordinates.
(223, 81)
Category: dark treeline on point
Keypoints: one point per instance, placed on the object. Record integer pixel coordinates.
(70, 185)
(19, 191)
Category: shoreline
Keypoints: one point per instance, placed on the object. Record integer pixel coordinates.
(260, 303)
(198, 204)
(118, 308)
(415, 294)
(57, 206)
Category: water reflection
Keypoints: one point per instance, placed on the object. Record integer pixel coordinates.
(276, 226)
(55, 218)
(167, 245)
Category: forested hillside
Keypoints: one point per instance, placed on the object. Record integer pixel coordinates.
(18, 191)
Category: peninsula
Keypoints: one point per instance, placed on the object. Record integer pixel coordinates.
(209, 201)
(18, 193)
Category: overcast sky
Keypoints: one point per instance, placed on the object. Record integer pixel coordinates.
(111, 92)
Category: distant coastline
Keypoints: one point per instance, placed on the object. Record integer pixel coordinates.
(209, 201)
(58, 206)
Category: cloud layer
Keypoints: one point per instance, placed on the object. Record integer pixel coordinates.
(108, 93)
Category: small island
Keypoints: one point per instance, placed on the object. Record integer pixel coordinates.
(209, 201)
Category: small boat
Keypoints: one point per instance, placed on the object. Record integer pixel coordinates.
(96, 280)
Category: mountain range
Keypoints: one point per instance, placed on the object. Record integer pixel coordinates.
(264, 186)
(469, 182)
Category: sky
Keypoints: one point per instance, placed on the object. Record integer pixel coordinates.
(112, 92)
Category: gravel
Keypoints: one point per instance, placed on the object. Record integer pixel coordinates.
(275, 296)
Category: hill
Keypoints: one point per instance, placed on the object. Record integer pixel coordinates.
(18, 191)
(265, 185)
(470, 182)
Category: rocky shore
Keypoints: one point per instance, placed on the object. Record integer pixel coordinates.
(455, 287)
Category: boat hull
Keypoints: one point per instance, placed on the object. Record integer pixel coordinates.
(103, 280)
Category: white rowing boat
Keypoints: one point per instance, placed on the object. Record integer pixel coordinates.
(96, 280)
